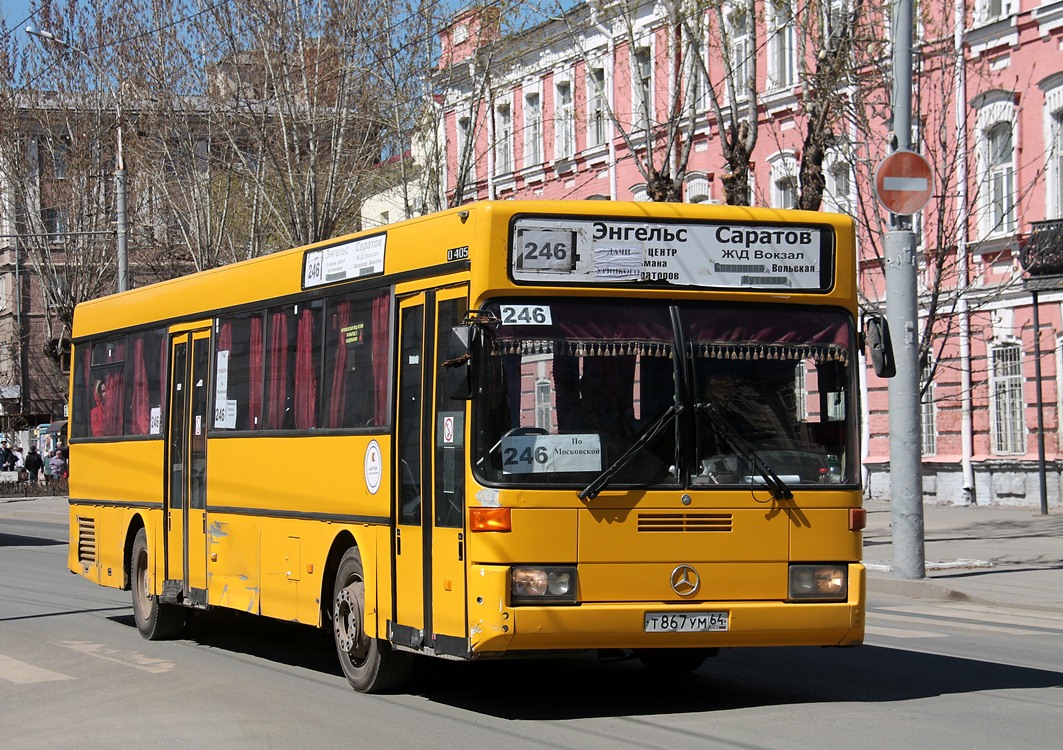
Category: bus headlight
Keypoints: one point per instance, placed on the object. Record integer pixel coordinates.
(542, 584)
(819, 582)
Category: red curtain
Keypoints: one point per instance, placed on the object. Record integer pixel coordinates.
(225, 337)
(380, 343)
(277, 373)
(140, 408)
(305, 380)
(254, 396)
(112, 405)
(108, 393)
(338, 392)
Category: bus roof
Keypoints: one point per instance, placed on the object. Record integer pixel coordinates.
(468, 227)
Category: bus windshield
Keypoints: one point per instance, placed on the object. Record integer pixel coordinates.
(663, 394)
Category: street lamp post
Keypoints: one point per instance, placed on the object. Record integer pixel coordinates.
(121, 227)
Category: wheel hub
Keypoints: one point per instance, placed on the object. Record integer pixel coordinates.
(350, 635)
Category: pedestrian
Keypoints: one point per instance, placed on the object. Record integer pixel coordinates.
(57, 463)
(20, 462)
(34, 464)
(7, 457)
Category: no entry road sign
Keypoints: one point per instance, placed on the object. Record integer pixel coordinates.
(903, 182)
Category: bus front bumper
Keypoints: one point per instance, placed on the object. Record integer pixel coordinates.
(501, 629)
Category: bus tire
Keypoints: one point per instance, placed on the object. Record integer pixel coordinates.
(674, 660)
(368, 663)
(155, 621)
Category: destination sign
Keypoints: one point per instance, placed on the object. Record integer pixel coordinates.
(343, 262)
(783, 257)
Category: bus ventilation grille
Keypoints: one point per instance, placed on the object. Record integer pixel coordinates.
(87, 540)
(685, 522)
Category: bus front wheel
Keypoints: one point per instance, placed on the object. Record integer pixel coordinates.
(370, 664)
(155, 621)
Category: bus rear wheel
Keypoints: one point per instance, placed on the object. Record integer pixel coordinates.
(155, 621)
(369, 664)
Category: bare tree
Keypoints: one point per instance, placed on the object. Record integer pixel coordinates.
(58, 158)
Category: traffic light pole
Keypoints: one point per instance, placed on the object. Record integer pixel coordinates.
(906, 471)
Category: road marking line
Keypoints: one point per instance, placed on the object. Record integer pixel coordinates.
(21, 673)
(945, 622)
(899, 633)
(980, 613)
(126, 659)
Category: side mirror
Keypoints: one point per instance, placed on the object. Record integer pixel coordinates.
(880, 346)
(463, 354)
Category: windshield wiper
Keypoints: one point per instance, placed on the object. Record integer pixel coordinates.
(648, 434)
(777, 487)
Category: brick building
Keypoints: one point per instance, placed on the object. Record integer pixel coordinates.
(610, 97)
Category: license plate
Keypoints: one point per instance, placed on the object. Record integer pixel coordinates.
(685, 622)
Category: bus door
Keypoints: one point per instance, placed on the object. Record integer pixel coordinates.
(430, 606)
(186, 545)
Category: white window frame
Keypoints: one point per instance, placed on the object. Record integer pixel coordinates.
(989, 11)
(1053, 135)
(1000, 179)
(642, 100)
(544, 407)
(564, 119)
(503, 138)
(929, 416)
(597, 106)
(781, 43)
(533, 128)
(839, 192)
(741, 51)
(698, 188)
(1055, 166)
(997, 188)
(1007, 405)
(784, 184)
(463, 132)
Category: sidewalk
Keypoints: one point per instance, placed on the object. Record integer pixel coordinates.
(985, 554)
(990, 555)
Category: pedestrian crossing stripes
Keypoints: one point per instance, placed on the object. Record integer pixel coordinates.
(21, 673)
(938, 621)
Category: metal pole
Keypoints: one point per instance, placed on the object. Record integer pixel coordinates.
(120, 217)
(970, 495)
(1040, 404)
(121, 225)
(906, 477)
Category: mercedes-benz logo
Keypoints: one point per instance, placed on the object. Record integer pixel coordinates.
(685, 580)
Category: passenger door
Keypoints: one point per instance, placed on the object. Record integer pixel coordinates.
(429, 543)
(186, 547)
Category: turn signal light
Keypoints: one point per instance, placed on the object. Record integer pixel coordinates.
(490, 519)
(857, 519)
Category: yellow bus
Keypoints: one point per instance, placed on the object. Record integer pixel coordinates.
(507, 429)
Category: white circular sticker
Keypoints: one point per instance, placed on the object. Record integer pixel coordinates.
(374, 467)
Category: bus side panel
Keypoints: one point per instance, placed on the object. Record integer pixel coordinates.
(296, 496)
(98, 536)
(233, 562)
(129, 471)
(312, 475)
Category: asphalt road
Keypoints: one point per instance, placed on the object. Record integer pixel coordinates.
(74, 672)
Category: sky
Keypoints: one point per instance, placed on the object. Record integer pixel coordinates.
(15, 12)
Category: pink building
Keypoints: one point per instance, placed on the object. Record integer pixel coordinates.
(615, 101)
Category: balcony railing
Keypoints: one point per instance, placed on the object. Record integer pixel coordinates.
(1042, 255)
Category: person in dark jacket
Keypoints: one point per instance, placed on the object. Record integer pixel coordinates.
(34, 463)
(7, 457)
